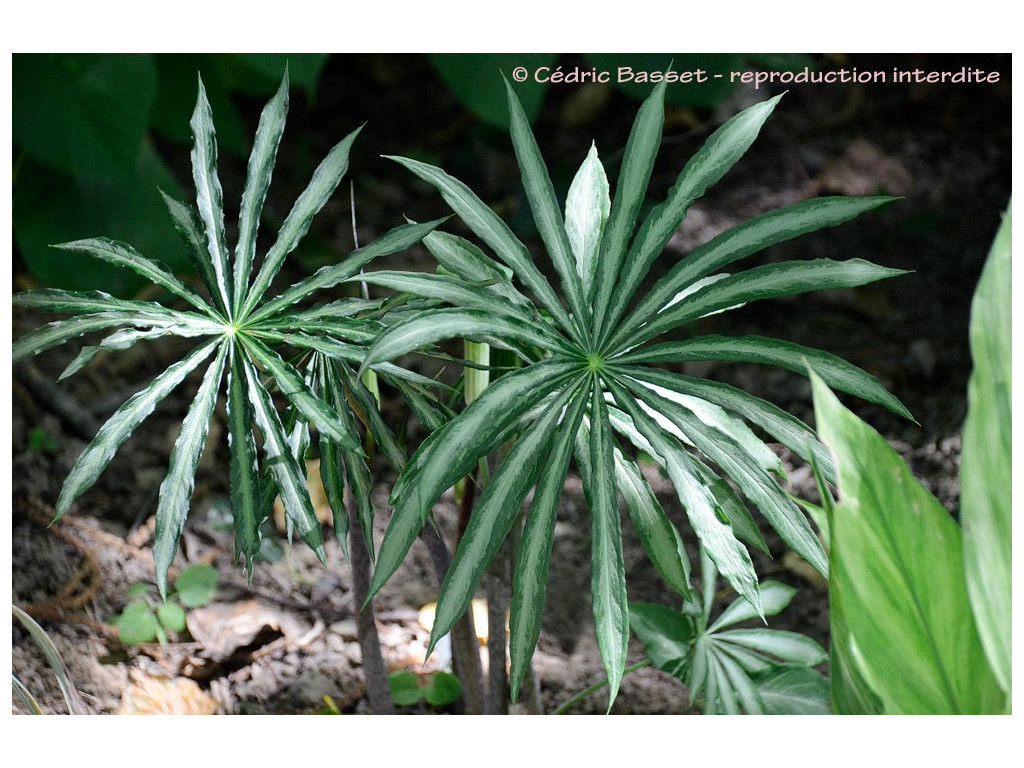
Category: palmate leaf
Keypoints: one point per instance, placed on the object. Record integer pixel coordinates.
(600, 260)
(251, 332)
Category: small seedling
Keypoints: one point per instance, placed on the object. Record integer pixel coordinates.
(146, 618)
(39, 441)
(437, 690)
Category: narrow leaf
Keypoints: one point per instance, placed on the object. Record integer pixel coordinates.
(257, 182)
(713, 160)
(246, 490)
(188, 228)
(587, 206)
(325, 180)
(119, 427)
(176, 488)
(209, 195)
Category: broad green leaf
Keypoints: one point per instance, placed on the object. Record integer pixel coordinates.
(137, 623)
(289, 477)
(489, 227)
(257, 182)
(475, 80)
(397, 239)
(124, 255)
(196, 585)
(587, 206)
(770, 281)
(209, 195)
(630, 192)
(444, 689)
(667, 636)
(171, 616)
(245, 486)
(293, 386)
(716, 157)
(743, 240)
(897, 562)
(985, 469)
(431, 326)
(775, 596)
(449, 453)
(119, 427)
(176, 488)
(495, 513)
(793, 691)
(608, 574)
(529, 579)
(547, 214)
(833, 370)
(325, 180)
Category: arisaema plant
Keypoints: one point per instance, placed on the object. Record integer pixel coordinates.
(244, 330)
(592, 385)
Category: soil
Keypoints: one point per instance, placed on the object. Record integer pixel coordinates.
(286, 640)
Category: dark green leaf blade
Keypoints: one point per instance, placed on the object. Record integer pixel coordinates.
(257, 182)
(325, 180)
(246, 490)
(833, 370)
(713, 160)
(119, 427)
(176, 488)
(529, 579)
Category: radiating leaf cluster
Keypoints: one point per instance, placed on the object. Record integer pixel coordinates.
(239, 330)
(733, 669)
(591, 386)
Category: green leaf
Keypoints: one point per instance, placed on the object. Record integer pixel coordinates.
(608, 574)
(495, 513)
(119, 427)
(449, 453)
(713, 160)
(770, 281)
(785, 646)
(257, 182)
(897, 563)
(431, 326)
(405, 688)
(325, 180)
(293, 386)
(475, 80)
(123, 255)
(171, 616)
(985, 468)
(667, 635)
(489, 227)
(442, 690)
(188, 228)
(289, 477)
(529, 579)
(196, 585)
(246, 491)
(397, 239)
(209, 195)
(547, 214)
(630, 192)
(176, 488)
(787, 690)
(82, 113)
(587, 206)
(833, 370)
(744, 239)
(137, 623)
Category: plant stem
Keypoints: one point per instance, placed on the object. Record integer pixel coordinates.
(497, 589)
(378, 689)
(465, 646)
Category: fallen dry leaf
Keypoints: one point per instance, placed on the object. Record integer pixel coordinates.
(165, 696)
(223, 629)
